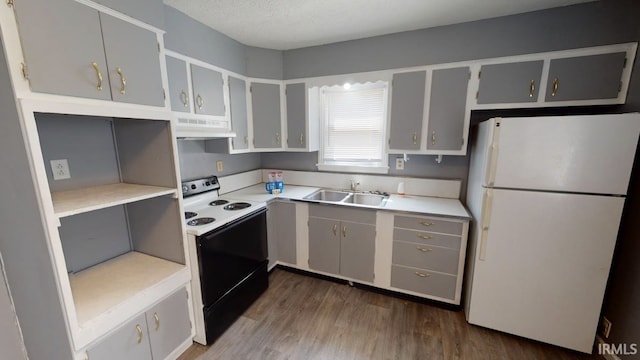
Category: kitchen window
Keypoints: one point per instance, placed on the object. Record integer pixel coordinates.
(353, 127)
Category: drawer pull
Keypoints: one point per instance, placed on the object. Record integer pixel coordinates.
(139, 329)
(422, 274)
(335, 229)
(425, 237)
(157, 319)
(344, 231)
(425, 223)
(423, 249)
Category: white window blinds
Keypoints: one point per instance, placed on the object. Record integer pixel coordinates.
(354, 124)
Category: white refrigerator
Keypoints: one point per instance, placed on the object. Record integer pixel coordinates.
(546, 194)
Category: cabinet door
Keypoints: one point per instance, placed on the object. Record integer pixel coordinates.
(296, 116)
(178, 84)
(208, 91)
(61, 39)
(447, 109)
(133, 59)
(130, 342)
(265, 109)
(407, 106)
(286, 219)
(169, 324)
(357, 250)
(238, 98)
(510, 83)
(585, 77)
(272, 233)
(324, 245)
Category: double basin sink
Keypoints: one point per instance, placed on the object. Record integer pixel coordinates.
(347, 198)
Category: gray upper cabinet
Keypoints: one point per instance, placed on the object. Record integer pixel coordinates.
(62, 45)
(447, 109)
(208, 91)
(296, 116)
(324, 245)
(134, 63)
(510, 83)
(407, 106)
(238, 99)
(148, 11)
(357, 250)
(585, 77)
(178, 84)
(265, 110)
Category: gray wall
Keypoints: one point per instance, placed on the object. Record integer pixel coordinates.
(264, 63)
(195, 162)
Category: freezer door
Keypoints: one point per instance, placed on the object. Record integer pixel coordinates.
(541, 262)
(584, 154)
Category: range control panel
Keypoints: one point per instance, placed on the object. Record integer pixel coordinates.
(193, 187)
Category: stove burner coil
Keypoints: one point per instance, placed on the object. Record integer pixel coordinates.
(201, 221)
(237, 206)
(218, 202)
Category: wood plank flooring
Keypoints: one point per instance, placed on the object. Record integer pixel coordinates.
(301, 317)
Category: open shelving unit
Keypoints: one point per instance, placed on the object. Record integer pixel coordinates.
(119, 218)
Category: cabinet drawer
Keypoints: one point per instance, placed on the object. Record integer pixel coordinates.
(427, 238)
(426, 257)
(428, 224)
(425, 282)
(343, 213)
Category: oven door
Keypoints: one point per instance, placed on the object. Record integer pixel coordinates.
(230, 253)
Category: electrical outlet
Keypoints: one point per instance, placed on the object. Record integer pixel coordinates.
(606, 327)
(219, 166)
(399, 164)
(60, 169)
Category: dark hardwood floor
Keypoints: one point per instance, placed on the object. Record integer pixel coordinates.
(301, 317)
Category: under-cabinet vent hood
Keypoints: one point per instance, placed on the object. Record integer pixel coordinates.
(194, 128)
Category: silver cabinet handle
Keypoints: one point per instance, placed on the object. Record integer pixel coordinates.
(423, 249)
(98, 74)
(422, 274)
(278, 138)
(415, 138)
(301, 139)
(199, 101)
(139, 329)
(184, 98)
(433, 137)
(123, 81)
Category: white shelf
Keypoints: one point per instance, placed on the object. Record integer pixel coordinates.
(73, 202)
(111, 292)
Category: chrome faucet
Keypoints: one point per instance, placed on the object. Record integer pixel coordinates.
(354, 185)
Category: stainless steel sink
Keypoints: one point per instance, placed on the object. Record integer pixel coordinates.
(327, 195)
(346, 198)
(365, 199)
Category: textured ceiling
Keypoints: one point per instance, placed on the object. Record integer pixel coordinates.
(290, 24)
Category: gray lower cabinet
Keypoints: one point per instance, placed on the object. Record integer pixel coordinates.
(517, 82)
(447, 109)
(342, 241)
(265, 110)
(407, 110)
(178, 84)
(102, 57)
(151, 335)
(296, 115)
(585, 77)
(208, 91)
(281, 232)
(238, 104)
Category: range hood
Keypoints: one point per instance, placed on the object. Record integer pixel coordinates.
(194, 127)
(193, 133)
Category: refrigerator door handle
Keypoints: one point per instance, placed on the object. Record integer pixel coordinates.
(487, 200)
(492, 155)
